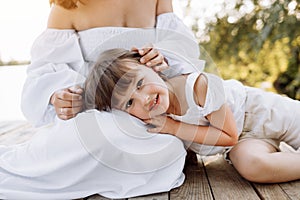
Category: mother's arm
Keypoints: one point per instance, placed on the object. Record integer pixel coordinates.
(164, 6)
(56, 63)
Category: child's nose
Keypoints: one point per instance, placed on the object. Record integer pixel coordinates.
(143, 98)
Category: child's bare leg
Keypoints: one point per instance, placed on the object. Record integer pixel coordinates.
(258, 161)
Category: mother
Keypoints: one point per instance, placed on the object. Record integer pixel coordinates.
(74, 37)
(108, 154)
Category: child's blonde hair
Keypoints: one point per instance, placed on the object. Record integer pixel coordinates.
(67, 4)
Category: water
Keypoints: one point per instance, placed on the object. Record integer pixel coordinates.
(12, 79)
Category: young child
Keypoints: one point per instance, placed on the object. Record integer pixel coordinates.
(204, 110)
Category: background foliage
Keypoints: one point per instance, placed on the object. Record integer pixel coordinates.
(254, 41)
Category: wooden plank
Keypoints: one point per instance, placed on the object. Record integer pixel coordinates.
(206, 178)
(97, 197)
(7, 126)
(225, 181)
(18, 135)
(159, 196)
(270, 191)
(292, 189)
(195, 186)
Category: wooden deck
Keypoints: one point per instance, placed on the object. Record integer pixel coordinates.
(207, 178)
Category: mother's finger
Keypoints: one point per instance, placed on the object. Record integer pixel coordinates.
(59, 103)
(76, 89)
(152, 54)
(65, 117)
(70, 111)
(66, 95)
(159, 59)
(143, 50)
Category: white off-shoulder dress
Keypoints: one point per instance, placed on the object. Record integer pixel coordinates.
(96, 152)
(62, 58)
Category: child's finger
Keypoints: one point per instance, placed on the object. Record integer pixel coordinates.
(147, 121)
(153, 130)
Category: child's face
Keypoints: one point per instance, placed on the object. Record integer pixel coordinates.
(147, 96)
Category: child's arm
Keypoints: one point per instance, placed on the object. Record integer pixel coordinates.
(222, 121)
(208, 135)
(221, 131)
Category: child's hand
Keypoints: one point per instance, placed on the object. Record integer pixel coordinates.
(151, 57)
(67, 102)
(163, 124)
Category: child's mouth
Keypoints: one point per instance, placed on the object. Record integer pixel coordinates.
(154, 103)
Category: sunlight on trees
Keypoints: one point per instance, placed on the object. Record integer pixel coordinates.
(255, 41)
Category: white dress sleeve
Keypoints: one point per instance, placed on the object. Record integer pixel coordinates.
(215, 95)
(56, 63)
(178, 44)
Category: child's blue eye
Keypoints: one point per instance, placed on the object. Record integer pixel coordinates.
(139, 84)
(129, 103)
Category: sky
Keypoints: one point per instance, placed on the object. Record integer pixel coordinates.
(21, 21)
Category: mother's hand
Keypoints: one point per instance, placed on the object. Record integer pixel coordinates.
(67, 102)
(152, 57)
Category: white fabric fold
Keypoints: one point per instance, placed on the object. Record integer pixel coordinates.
(76, 158)
(64, 161)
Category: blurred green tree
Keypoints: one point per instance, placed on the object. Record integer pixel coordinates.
(254, 41)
